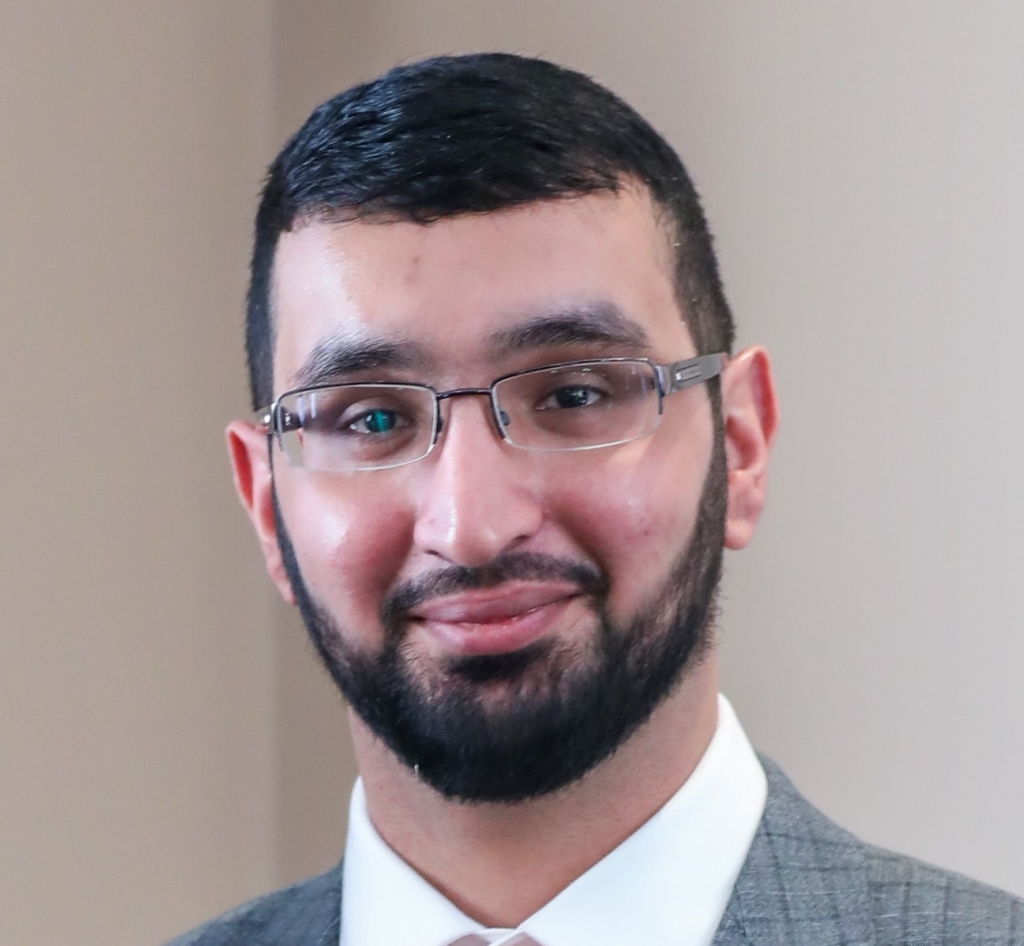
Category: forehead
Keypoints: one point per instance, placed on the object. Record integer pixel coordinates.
(471, 290)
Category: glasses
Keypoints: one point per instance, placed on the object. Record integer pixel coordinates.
(575, 405)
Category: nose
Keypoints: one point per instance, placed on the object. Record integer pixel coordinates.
(478, 498)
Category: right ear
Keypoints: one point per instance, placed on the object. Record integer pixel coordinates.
(249, 449)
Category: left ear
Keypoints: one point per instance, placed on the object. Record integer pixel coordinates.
(751, 416)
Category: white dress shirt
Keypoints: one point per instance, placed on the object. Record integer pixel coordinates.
(667, 884)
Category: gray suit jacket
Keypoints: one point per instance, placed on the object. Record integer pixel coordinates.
(806, 882)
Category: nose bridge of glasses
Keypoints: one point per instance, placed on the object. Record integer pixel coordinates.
(498, 421)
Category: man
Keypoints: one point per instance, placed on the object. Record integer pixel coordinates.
(502, 442)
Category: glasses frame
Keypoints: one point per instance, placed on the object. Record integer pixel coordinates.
(669, 379)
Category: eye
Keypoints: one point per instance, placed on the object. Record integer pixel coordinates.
(376, 421)
(570, 396)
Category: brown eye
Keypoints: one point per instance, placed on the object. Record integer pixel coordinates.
(570, 397)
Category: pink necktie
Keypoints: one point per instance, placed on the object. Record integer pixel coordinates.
(473, 940)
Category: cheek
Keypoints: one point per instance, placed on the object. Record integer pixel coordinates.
(349, 545)
(634, 515)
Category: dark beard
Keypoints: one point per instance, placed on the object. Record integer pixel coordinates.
(509, 727)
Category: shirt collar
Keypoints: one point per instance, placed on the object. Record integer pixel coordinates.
(667, 884)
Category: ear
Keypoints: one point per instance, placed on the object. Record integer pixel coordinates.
(249, 449)
(751, 417)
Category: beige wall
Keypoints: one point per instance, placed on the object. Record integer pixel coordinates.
(136, 660)
(168, 746)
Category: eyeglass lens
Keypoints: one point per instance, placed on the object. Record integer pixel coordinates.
(358, 426)
(588, 404)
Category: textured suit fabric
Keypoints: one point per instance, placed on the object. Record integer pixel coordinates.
(307, 914)
(805, 882)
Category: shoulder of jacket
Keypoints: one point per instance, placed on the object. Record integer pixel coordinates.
(908, 901)
(304, 914)
(938, 905)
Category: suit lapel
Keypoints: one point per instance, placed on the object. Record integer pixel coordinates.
(804, 882)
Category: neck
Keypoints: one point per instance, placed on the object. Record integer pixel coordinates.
(500, 863)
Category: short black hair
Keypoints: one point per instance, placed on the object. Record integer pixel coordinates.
(468, 134)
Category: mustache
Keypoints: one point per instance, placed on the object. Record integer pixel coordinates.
(510, 566)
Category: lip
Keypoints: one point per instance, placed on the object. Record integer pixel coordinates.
(495, 620)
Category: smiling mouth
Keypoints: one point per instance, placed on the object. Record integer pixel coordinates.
(495, 620)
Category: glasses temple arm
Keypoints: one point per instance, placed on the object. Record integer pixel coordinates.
(684, 374)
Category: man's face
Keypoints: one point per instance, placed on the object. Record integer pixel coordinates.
(487, 589)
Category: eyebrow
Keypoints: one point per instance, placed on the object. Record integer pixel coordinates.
(342, 354)
(601, 322)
